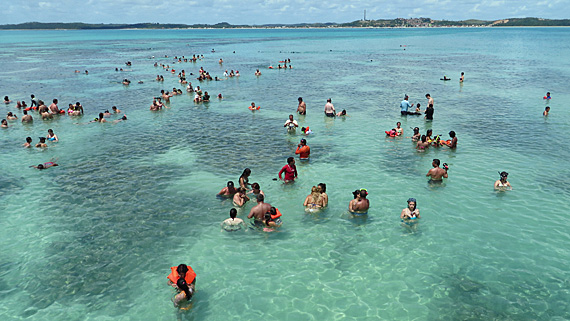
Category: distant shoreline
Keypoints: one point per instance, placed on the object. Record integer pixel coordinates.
(398, 23)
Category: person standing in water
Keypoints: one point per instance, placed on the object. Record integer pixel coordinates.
(303, 150)
(462, 77)
(290, 171)
(453, 143)
(329, 108)
(302, 108)
(546, 111)
(361, 205)
(436, 174)
(502, 183)
(404, 105)
(244, 178)
(291, 123)
(233, 224)
(411, 212)
(430, 100)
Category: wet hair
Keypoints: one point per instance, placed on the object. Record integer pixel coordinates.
(246, 171)
(182, 269)
(436, 161)
(241, 190)
(398, 123)
(233, 213)
(6, 98)
(411, 199)
(323, 187)
(182, 285)
(547, 108)
(416, 130)
(25, 112)
(356, 193)
(428, 132)
(418, 105)
(55, 100)
(40, 166)
(28, 139)
(363, 193)
(303, 129)
(114, 107)
(290, 160)
(300, 99)
(267, 217)
(303, 141)
(329, 100)
(315, 194)
(430, 106)
(50, 130)
(230, 184)
(428, 95)
(260, 198)
(100, 115)
(343, 112)
(452, 134)
(424, 138)
(42, 139)
(255, 186)
(504, 174)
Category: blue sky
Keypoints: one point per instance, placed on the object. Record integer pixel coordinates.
(253, 12)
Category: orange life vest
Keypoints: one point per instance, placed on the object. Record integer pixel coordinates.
(189, 278)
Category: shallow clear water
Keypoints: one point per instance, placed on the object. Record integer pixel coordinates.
(94, 238)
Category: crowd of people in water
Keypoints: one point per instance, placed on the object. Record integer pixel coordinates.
(263, 216)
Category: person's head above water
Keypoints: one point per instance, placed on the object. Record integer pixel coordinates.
(246, 172)
(436, 161)
(323, 187)
(260, 198)
(233, 213)
(182, 285)
(504, 175)
(398, 124)
(452, 134)
(303, 141)
(412, 200)
(356, 193)
(343, 112)
(428, 96)
(429, 132)
(182, 269)
(290, 160)
(416, 130)
(300, 99)
(255, 186)
(547, 108)
(329, 100)
(230, 184)
(291, 117)
(363, 193)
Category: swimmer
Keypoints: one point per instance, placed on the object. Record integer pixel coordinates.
(126, 82)
(53, 107)
(256, 190)
(546, 111)
(44, 165)
(291, 124)
(324, 194)
(233, 224)
(240, 198)
(416, 135)
(42, 143)
(51, 136)
(453, 143)
(27, 118)
(220, 96)
(253, 107)
(28, 142)
(399, 129)
(290, 170)
(303, 150)
(445, 78)
(422, 144)
(314, 201)
(404, 105)
(342, 113)
(259, 210)
(4, 123)
(221, 61)
(120, 119)
(502, 183)
(244, 178)
(547, 96)
(7, 100)
(269, 223)
(107, 113)
(306, 130)
(418, 108)
(228, 191)
(361, 205)
(116, 110)
(302, 107)
(101, 119)
(257, 72)
(462, 78)
(436, 174)
(411, 212)
(329, 108)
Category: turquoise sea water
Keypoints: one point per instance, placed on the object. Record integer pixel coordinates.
(94, 238)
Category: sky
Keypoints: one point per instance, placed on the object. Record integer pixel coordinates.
(256, 12)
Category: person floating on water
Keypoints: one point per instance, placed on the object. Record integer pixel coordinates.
(502, 183)
(436, 174)
(233, 224)
(253, 107)
(329, 108)
(44, 165)
(546, 111)
(183, 279)
(341, 113)
(445, 78)
(306, 130)
(291, 124)
(303, 150)
(361, 205)
(547, 96)
(411, 212)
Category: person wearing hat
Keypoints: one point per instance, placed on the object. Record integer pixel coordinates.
(411, 212)
(502, 183)
(303, 150)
